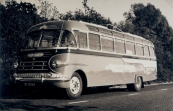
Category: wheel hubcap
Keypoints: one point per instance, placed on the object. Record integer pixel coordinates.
(74, 85)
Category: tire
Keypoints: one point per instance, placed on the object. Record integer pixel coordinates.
(76, 86)
(135, 86)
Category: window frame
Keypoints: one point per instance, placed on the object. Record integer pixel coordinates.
(151, 51)
(100, 48)
(145, 51)
(107, 38)
(72, 33)
(137, 44)
(87, 45)
(131, 42)
(122, 41)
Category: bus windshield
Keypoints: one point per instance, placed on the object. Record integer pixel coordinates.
(49, 38)
(43, 38)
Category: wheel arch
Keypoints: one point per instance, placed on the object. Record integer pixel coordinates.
(84, 78)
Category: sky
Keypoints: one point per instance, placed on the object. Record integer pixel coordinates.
(112, 9)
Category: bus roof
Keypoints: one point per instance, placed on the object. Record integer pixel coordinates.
(85, 26)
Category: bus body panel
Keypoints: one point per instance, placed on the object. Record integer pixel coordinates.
(102, 71)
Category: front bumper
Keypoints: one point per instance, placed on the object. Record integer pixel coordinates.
(57, 80)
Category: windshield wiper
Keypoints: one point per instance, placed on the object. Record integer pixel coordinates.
(41, 36)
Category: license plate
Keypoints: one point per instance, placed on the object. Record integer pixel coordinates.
(30, 84)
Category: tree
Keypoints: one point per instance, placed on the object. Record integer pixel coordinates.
(126, 26)
(47, 11)
(90, 15)
(79, 15)
(148, 22)
(15, 18)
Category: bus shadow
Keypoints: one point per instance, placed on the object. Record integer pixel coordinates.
(29, 105)
(56, 93)
(36, 94)
(103, 90)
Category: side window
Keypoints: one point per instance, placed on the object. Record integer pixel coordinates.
(119, 46)
(146, 51)
(68, 40)
(152, 54)
(107, 44)
(82, 38)
(130, 48)
(94, 41)
(139, 50)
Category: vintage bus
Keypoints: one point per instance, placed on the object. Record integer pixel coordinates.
(75, 55)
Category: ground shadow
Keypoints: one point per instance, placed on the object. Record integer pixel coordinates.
(28, 105)
(96, 90)
(54, 93)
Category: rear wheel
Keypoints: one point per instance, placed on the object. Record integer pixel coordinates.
(76, 86)
(135, 86)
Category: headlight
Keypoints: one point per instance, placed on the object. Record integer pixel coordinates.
(15, 65)
(54, 64)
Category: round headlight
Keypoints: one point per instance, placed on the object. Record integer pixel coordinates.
(15, 64)
(54, 64)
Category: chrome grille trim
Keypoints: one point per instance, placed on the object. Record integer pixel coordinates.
(33, 61)
(33, 69)
(33, 65)
(33, 75)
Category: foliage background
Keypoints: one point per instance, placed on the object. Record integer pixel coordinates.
(16, 18)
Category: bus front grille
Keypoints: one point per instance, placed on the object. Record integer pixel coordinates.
(34, 65)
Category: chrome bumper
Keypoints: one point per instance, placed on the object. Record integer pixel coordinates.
(58, 80)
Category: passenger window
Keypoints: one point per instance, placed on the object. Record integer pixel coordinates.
(130, 48)
(107, 44)
(152, 54)
(82, 40)
(139, 50)
(94, 41)
(146, 51)
(68, 40)
(119, 46)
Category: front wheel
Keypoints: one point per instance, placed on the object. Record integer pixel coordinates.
(135, 86)
(76, 86)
